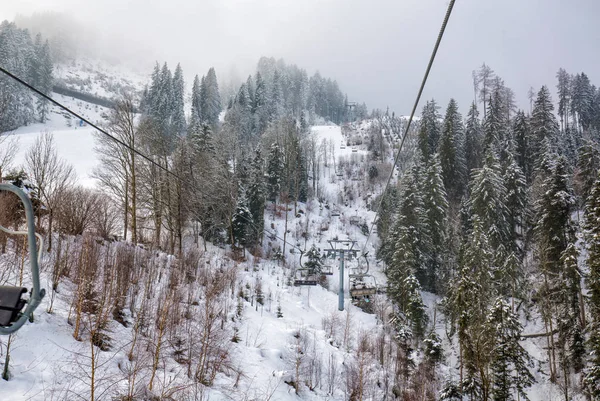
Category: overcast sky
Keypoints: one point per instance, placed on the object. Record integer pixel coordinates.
(376, 49)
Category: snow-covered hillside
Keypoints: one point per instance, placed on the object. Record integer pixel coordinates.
(46, 361)
(73, 138)
(272, 330)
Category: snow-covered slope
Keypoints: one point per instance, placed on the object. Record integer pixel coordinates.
(73, 138)
(46, 359)
(47, 363)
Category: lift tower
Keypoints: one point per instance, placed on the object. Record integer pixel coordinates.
(344, 249)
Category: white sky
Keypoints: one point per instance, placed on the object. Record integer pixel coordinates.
(376, 49)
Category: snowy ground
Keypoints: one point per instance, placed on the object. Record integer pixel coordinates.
(74, 139)
(44, 354)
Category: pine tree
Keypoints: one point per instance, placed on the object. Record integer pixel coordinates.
(473, 140)
(412, 217)
(403, 261)
(581, 100)
(275, 100)
(274, 172)
(385, 224)
(201, 138)
(522, 138)
(414, 308)
(257, 194)
(242, 223)
(429, 130)
(251, 90)
(160, 99)
(239, 118)
(177, 113)
(435, 204)
(468, 300)
(553, 216)
(588, 164)
(568, 299)
(564, 96)
(450, 392)
(18, 55)
(494, 124)
(488, 203)
(315, 261)
(259, 106)
(592, 226)
(510, 361)
(516, 204)
(196, 115)
(150, 96)
(451, 153)
(404, 288)
(211, 99)
(42, 74)
(544, 127)
(204, 100)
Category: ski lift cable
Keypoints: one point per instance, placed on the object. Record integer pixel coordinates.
(68, 110)
(423, 82)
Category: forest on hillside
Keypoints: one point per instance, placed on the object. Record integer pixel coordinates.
(495, 214)
(499, 217)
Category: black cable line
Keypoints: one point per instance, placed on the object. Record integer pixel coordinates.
(62, 106)
(432, 58)
(40, 93)
(423, 82)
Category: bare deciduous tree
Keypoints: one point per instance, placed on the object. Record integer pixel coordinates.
(106, 217)
(118, 173)
(9, 146)
(76, 210)
(50, 175)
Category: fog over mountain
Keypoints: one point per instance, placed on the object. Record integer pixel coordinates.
(377, 50)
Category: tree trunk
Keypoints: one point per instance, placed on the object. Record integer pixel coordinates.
(126, 208)
(50, 220)
(133, 201)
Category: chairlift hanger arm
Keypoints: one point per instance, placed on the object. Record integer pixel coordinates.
(37, 293)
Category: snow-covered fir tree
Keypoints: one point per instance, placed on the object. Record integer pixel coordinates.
(473, 140)
(435, 203)
(451, 153)
(429, 129)
(510, 361)
(178, 115)
(592, 225)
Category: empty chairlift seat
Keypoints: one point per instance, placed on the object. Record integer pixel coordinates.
(327, 270)
(11, 304)
(12, 315)
(306, 277)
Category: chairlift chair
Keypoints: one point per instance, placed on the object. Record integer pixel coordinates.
(359, 288)
(309, 280)
(11, 301)
(335, 212)
(307, 277)
(327, 270)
